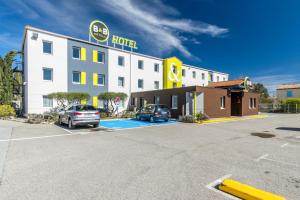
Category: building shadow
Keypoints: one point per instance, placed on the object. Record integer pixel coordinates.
(288, 128)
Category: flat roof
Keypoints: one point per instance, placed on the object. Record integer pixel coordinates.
(27, 27)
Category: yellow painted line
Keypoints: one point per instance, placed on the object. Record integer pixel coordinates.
(228, 119)
(247, 192)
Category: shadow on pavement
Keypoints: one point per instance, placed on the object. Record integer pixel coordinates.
(288, 128)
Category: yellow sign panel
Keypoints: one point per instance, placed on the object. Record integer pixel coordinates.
(172, 73)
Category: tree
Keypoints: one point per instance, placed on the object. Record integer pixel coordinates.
(109, 99)
(262, 90)
(6, 78)
(65, 98)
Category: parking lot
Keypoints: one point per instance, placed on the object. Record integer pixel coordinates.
(174, 161)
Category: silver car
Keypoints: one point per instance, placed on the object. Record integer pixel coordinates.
(79, 115)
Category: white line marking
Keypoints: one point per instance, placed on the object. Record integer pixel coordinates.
(211, 186)
(39, 137)
(261, 157)
(284, 145)
(282, 162)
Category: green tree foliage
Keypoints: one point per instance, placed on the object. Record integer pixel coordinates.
(263, 91)
(109, 99)
(6, 78)
(293, 101)
(65, 98)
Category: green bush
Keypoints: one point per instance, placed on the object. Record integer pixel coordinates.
(293, 101)
(7, 111)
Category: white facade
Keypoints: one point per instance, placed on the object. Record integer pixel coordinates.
(34, 62)
(149, 76)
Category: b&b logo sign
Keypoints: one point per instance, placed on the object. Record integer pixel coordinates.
(99, 31)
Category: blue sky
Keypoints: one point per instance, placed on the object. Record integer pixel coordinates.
(258, 38)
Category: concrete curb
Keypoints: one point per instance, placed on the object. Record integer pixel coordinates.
(246, 192)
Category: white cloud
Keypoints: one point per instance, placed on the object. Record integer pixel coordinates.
(163, 29)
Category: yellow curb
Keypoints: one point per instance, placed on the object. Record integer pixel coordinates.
(247, 192)
(218, 120)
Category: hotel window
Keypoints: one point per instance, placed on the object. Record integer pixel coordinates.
(76, 77)
(133, 101)
(203, 76)
(183, 72)
(218, 78)
(140, 83)
(156, 67)
(76, 52)
(121, 60)
(156, 85)
(101, 79)
(141, 64)
(47, 47)
(289, 93)
(250, 103)
(222, 102)
(174, 102)
(121, 81)
(47, 74)
(47, 102)
(100, 57)
(194, 74)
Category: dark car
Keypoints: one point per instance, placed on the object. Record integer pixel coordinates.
(79, 115)
(154, 112)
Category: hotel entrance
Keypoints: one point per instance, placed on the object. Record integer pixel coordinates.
(236, 103)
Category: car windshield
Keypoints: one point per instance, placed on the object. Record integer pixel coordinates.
(162, 108)
(84, 108)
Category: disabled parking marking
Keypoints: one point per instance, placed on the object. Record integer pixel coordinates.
(212, 186)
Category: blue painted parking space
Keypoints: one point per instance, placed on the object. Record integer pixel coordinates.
(131, 123)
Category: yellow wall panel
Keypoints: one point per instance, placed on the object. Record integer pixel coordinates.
(83, 53)
(83, 101)
(95, 79)
(95, 101)
(169, 77)
(95, 56)
(83, 78)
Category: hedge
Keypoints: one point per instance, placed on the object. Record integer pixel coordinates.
(293, 101)
(7, 111)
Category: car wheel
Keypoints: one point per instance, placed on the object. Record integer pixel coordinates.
(70, 124)
(151, 119)
(96, 125)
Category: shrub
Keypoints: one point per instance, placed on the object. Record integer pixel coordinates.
(188, 119)
(128, 114)
(7, 111)
(293, 101)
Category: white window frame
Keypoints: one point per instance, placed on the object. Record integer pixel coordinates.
(51, 74)
(49, 100)
(155, 85)
(123, 59)
(194, 74)
(142, 67)
(174, 105)
(142, 81)
(47, 41)
(103, 75)
(75, 47)
(223, 102)
(73, 77)
(103, 53)
(123, 78)
(156, 65)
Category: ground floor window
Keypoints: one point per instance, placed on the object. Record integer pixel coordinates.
(133, 101)
(174, 102)
(252, 103)
(47, 102)
(222, 99)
